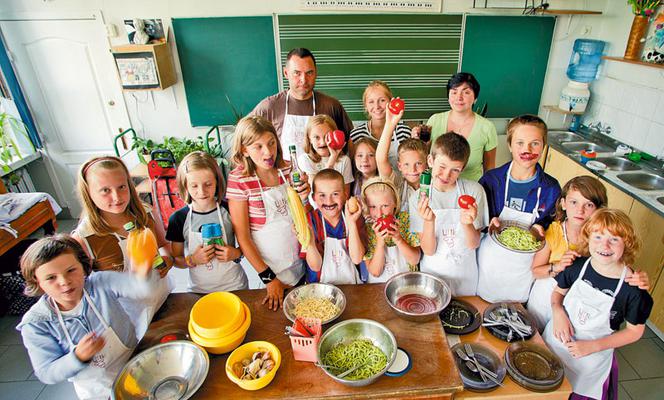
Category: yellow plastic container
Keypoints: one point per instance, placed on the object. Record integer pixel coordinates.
(217, 314)
(222, 344)
(246, 351)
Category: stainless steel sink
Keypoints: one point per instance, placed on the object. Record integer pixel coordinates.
(579, 146)
(661, 200)
(561, 137)
(643, 181)
(618, 164)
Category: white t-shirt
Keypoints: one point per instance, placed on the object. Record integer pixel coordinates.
(343, 165)
(447, 200)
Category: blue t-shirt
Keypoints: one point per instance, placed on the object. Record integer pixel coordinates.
(518, 193)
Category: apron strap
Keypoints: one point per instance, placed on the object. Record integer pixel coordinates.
(622, 280)
(94, 309)
(62, 322)
(260, 186)
(507, 185)
(583, 270)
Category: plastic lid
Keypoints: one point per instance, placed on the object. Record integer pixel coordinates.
(211, 230)
(128, 226)
(402, 364)
(596, 165)
(292, 148)
(425, 178)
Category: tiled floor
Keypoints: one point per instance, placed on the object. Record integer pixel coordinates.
(641, 372)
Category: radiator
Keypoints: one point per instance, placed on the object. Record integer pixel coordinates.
(19, 181)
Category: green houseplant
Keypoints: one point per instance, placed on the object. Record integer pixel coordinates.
(9, 149)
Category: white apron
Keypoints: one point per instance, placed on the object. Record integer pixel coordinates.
(539, 301)
(294, 130)
(142, 311)
(337, 268)
(453, 261)
(395, 263)
(96, 379)
(275, 240)
(506, 275)
(589, 311)
(215, 276)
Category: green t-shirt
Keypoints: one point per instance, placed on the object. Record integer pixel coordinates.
(482, 138)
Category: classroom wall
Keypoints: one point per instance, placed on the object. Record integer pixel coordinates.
(147, 109)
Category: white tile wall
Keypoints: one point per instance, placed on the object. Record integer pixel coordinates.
(635, 112)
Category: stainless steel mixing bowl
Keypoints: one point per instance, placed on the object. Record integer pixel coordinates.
(427, 285)
(316, 290)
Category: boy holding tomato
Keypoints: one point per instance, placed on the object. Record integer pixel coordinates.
(412, 156)
(449, 218)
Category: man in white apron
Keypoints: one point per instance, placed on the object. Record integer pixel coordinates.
(589, 311)
(453, 261)
(215, 275)
(506, 275)
(276, 240)
(290, 109)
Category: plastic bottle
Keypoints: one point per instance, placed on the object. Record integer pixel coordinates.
(296, 173)
(142, 247)
(574, 97)
(212, 234)
(425, 183)
(585, 59)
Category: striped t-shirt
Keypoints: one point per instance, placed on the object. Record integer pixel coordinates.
(402, 132)
(247, 188)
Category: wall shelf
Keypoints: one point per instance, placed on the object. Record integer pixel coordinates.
(560, 110)
(637, 62)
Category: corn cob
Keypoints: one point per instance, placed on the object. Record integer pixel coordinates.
(299, 218)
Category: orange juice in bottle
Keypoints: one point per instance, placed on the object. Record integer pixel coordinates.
(142, 248)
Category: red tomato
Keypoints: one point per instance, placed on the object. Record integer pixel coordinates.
(396, 106)
(385, 222)
(335, 139)
(466, 201)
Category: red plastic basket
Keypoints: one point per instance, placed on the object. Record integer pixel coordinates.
(306, 348)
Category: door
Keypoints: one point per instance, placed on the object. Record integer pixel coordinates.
(69, 80)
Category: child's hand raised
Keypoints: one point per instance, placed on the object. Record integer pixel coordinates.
(392, 119)
(381, 235)
(202, 255)
(469, 214)
(353, 216)
(90, 345)
(424, 210)
(303, 189)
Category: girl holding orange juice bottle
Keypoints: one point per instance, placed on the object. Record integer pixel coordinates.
(110, 201)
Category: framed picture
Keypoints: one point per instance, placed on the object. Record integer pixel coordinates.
(137, 70)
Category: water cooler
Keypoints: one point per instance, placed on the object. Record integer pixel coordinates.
(582, 70)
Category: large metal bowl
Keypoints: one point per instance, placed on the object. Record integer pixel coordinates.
(504, 224)
(317, 290)
(349, 330)
(420, 283)
(173, 370)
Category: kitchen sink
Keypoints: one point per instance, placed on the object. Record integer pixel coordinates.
(565, 137)
(643, 181)
(579, 146)
(618, 164)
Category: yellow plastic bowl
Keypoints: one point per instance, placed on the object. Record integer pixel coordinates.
(223, 344)
(246, 351)
(217, 314)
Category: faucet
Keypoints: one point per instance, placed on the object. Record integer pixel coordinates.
(600, 128)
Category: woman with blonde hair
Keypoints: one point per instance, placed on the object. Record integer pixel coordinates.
(375, 99)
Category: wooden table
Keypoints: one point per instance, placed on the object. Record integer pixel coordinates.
(510, 390)
(434, 373)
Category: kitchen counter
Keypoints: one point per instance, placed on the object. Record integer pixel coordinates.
(646, 197)
(433, 375)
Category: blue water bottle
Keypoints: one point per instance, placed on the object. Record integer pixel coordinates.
(584, 63)
(212, 234)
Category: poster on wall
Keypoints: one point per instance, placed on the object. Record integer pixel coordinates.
(137, 70)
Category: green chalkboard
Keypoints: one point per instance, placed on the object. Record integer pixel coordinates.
(509, 56)
(414, 53)
(225, 58)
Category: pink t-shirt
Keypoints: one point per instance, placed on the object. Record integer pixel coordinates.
(247, 188)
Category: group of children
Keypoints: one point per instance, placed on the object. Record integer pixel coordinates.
(370, 219)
